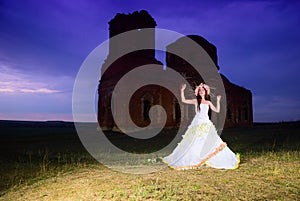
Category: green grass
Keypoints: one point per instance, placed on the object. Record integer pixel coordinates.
(41, 161)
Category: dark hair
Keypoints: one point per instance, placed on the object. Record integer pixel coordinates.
(199, 98)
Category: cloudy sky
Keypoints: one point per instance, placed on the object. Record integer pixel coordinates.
(43, 44)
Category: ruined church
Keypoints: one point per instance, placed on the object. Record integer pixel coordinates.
(239, 100)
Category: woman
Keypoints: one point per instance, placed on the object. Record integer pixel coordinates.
(201, 145)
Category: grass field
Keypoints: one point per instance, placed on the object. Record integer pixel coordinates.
(46, 161)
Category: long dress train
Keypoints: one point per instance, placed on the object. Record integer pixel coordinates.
(201, 145)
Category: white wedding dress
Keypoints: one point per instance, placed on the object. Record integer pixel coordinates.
(202, 146)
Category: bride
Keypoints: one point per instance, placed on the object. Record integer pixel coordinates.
(201, 145)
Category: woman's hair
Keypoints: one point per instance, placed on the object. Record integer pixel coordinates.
(199, 98)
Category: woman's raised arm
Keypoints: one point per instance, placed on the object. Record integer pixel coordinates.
(193, 101)
(213, 108)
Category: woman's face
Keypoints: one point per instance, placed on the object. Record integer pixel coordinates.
(201, 91)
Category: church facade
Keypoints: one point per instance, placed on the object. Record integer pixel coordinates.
(239, 100)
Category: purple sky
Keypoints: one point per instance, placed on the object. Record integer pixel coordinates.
(43, 44)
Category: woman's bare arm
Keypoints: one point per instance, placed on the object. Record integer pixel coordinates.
(217, 108)
(192, 101)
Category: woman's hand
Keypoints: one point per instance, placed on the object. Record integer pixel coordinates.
(219, 98)
(183, 86)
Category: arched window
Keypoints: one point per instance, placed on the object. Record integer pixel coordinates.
(246, 114)
(229, 114)
(146, 108)
(239, 114)
(177, 112)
